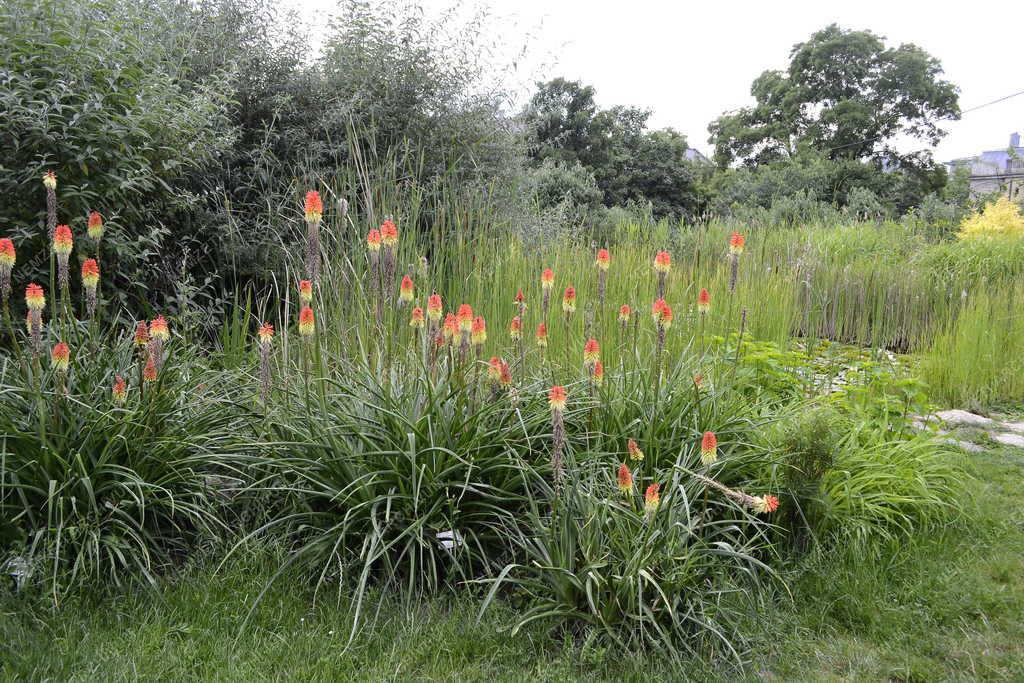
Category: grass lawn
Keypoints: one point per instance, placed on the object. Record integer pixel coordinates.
(947, 606)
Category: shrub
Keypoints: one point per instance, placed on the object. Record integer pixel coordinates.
(1000, 218)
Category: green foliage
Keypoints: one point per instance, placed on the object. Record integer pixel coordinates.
(845, 95)
(90, 95)
(629, 163)
(94, 491)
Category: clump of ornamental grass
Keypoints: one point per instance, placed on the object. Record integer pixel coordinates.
(102, 483)
(407, 484)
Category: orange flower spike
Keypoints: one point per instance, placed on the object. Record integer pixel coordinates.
(603, 259)
(305, 292)
(591, 352)
(149, 372)
(547, 279)
(652, 499)
(557, 398)
(625, 479)
(434, 307)
(736, 243)
(598, 374)
(416, 320)
(389, 233)
(635, 454)
(663, 262)
(698, 381)
(95, 226)
(505, 376)
(7, 254)
(662, 313)
(373, 240)
(624, 312)
(764, 505)
(708, 448)
(141, 333)
(50, 180)
(569, 300)
(519, 297)
(478, 335)
(266, 333)
(406, 289)
(515, 329)
(62, 240)
(313, 207)
(60, 357)
(465, 316)
(90, 273)
(307, 322)
(494, 369)
(119, 390)
(542, 335)
(158, 329)
(703, 302)
(35, 299)
(451, 327)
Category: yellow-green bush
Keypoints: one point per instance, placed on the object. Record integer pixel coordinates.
(1000, 218)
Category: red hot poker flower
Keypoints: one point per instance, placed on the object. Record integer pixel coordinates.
(7, 253)
(542, 335)
(519, 297)
(62, 240)
(158, 329)
(60, 357)
(598, 373)
(479, 331)
(406, 290)
(634, 450)
(141, 333)
(625, 479)
(434, 307)
(662, 313)
(389, 233)
(90, 273)
(50, 180)
(35, 299)
(515, 329)
(313, 207)
(557, 398)
(603, 259)
(591, 352)
(95, 226)
(465, 316)
(736, 243)
(662, 262)
(305, 292)
(703, 301)
(547, 279)
(120, 389)
(764, 505)
(266, 333)
(416, 320)
(708, 448)
(307, 322)
(373, 240)
(652, 499)
(451, 327)
(569, 300)
(624, 313)
(149, 372)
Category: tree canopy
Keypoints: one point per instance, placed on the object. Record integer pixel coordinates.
(845, 95)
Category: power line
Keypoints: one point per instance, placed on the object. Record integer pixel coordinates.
(965, 111)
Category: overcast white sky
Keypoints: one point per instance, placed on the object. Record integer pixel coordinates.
(689, 62)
